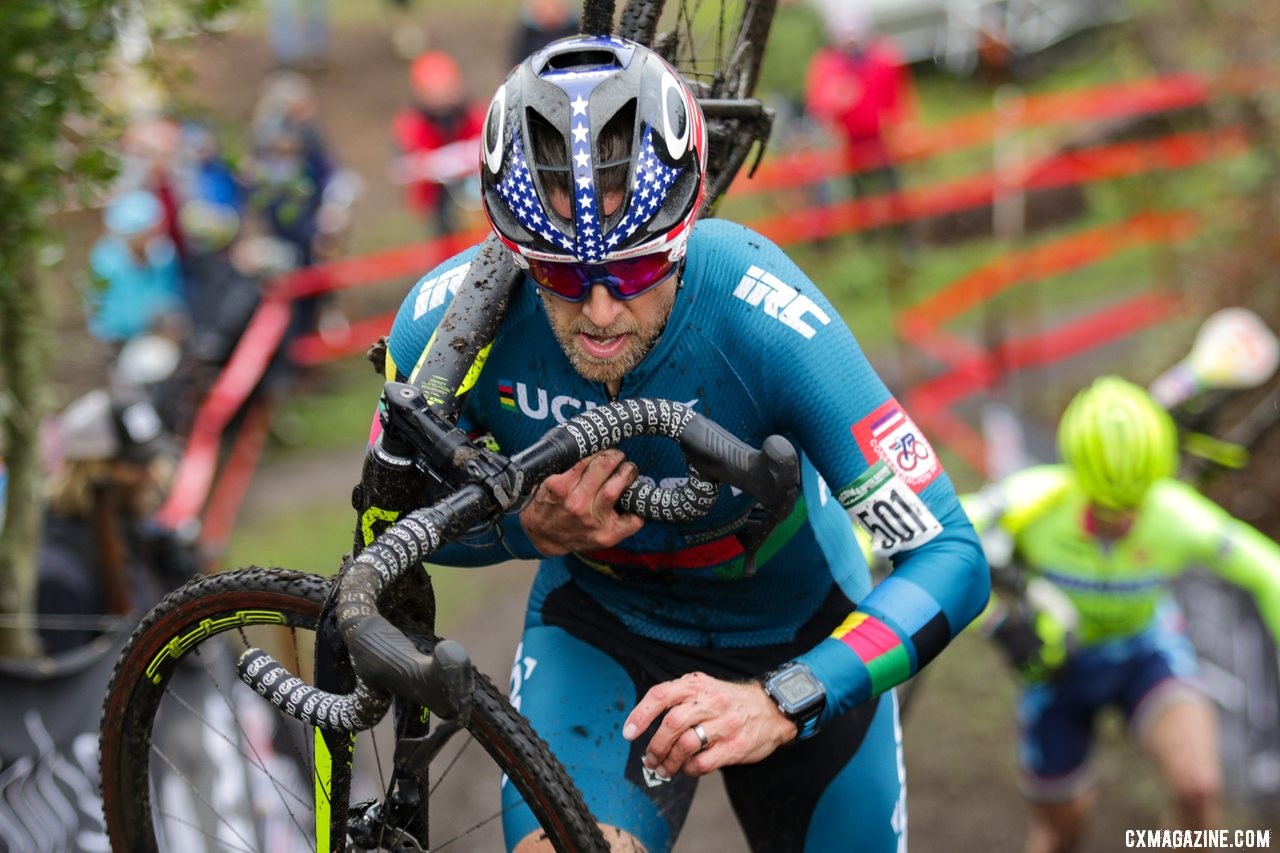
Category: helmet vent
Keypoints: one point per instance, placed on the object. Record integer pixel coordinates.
(580, 60)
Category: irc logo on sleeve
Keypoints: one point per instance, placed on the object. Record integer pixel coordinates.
(432, 293)
(781, 300)
(888, 433)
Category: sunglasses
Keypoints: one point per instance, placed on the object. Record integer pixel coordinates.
(625, 279)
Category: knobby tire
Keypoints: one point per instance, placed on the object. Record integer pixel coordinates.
(640, 23)
(133, 699)
(740, 31)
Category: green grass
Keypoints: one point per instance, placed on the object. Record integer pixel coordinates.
(314, 534)
(335, 415)
(309, 536)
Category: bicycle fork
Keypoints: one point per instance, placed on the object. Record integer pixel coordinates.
(400, 820)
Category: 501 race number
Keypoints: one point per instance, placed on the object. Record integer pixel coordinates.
(886, 507)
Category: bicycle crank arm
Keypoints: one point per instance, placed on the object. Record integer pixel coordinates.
(388, 660)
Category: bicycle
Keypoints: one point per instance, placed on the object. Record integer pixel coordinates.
(720, 55)
(384, 614)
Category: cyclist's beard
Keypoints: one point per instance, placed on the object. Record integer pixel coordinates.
(643, 338)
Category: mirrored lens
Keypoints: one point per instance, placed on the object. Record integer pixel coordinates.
(626, 279)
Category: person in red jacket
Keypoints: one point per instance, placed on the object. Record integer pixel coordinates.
(438, 137)
(858, 85)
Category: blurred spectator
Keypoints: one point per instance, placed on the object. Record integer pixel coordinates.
(227, 289)
(303, 197)
(226, 292)
(99, 555)
(212, 230)
(288, 104)
(995, 54)
(145, 364)
(299, 31)
(408, 36)
(149, 150)
(204, 172)
(136, 272)
(438, 137)
(541, 22)
(291, 166)
(858, 85)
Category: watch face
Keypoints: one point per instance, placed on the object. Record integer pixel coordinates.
(795, 686)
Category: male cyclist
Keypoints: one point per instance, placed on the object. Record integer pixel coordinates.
(655, 653)
(1111, 528)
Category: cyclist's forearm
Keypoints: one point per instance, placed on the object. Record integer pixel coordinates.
(1252, 560)
(904, 622)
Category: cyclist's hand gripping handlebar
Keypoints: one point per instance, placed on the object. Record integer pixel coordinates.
(387, 661)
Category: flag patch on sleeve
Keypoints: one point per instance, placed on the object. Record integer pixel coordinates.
(888, 433)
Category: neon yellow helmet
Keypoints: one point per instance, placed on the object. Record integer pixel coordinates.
(1118, 441)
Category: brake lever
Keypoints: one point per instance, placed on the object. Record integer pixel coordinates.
(771, 475)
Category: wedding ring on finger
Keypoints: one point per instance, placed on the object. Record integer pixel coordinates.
(702, 736)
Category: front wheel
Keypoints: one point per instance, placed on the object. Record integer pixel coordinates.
(192, 759)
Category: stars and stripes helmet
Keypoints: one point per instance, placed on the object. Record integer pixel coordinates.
(587, 117)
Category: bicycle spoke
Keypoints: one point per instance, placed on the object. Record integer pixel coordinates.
(194, 790)
(448, 768)
(703, 44)
(475, 828)
(175, 819)
(246, 742)
(479, 824)
(377, 758)
(483, 822)
(257, 766)
(253, 761)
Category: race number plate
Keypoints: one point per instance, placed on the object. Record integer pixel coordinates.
(886, 507)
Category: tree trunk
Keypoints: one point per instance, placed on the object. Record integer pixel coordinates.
(24, 340)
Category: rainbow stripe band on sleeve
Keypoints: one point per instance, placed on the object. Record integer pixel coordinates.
(887, 660)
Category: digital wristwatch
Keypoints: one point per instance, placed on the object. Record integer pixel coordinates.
(799, 695)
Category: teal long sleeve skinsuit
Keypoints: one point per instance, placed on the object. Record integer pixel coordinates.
(752, 344)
